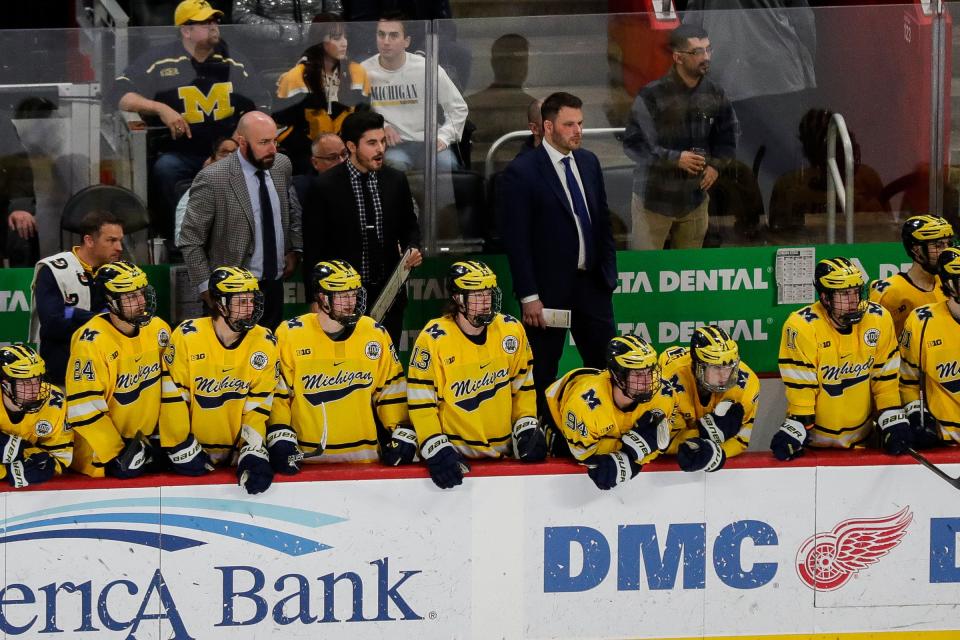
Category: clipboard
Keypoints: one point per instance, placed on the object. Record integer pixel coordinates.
(395, 283)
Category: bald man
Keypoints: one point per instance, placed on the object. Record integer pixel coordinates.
(244, 212)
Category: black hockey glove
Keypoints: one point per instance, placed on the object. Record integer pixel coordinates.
(402, 448)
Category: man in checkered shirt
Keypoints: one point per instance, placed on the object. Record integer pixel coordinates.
(361, 211)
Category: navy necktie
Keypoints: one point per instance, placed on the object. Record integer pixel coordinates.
(580, 208)
(269, 230)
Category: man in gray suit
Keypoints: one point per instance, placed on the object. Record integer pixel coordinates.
(244, 212)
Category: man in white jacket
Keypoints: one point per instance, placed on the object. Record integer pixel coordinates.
(397, 91)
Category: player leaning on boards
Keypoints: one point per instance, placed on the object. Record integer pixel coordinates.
(219, 376)
(717, 395)
(113, 375)
(34, 446)
(930, 361)
(340, 368)
(924, 237)
(839, 363)
(616, 420)
(470, 386)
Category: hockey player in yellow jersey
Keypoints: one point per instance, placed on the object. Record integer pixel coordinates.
(34, 443)
(930, 365)
(113, 376)
(470, 383)
(341, 374)
(717, 396)
(839, 363)
(219, 376)
(924, 237)
(616, 420)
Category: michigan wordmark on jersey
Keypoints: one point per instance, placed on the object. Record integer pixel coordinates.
(113, 388)
(348, 378)
(899, 295)
(46, 430)
(930, 350)
(839, 378)
(677, 371)
(213, 392)
(581, 405)
(471, 391)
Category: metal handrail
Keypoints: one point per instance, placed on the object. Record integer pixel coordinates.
(513, 135)
(837, 124)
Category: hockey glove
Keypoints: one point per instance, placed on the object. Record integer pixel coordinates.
(36, 469)
(402, 448)
(723, 422)
(895, 433)
(443, 461)
(700, 454)
(788, 442)
(189, 459)
(11, 447)
(610, 469)
(529, 442)
(926, 431)
(131, 462)
(253, 469)
(650, 433)
(285, 455)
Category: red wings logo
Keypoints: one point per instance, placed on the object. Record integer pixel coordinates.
(826, 561)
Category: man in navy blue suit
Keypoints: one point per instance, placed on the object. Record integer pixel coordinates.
(553, 218)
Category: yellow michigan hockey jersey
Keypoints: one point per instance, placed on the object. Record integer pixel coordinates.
(582, 407)
(938, 354)
(113, 388)
(677, 367)
(45, 430)
(213, 392)
(351, 378)
(841, 379)
(899, 295)
(473, 393)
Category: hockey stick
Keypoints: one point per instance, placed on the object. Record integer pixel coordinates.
(954, 482)
(301, 456)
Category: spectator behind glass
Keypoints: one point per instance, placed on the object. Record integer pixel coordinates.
(64, 297)
(188, 101)
(17, 200)
(804, 191)
(767, 71)
(497, 109)
(221, 149)
(282, 20)
(682, 131)
(397, 86)
(325, 86)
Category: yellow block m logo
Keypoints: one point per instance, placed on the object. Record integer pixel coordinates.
(216, 103)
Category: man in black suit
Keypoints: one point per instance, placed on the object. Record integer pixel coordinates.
(553, 218)
(361, 211)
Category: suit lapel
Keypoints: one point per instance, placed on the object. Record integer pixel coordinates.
(549, 174)
(586, 177)
(239, 184)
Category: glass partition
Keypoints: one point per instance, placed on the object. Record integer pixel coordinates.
(459, 115)
(784, 73)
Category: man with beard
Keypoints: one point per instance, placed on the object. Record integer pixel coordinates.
(682, 130)
(553, 218)
(190, 92)
(244, 212)
(361, 212)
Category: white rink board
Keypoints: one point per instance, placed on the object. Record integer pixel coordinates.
(543, 556)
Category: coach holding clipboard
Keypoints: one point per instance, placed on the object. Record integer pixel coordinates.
(553, 218)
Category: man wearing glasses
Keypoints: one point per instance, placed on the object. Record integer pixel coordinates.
(326, 152)
(187, 101)
(682, 131)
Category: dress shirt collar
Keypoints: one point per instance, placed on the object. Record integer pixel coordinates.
(555, 155)
(249, 170)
